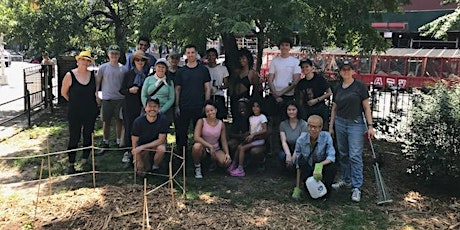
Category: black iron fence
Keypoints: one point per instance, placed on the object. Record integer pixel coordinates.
(39, 92)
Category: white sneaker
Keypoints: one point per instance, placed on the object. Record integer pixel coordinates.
(198, 173)
(356, 195)
(126, 156)
(340, 184)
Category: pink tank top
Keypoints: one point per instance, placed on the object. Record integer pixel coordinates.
(211, 134)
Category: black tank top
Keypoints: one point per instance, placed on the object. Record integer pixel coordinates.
(82, 98)
(246, 83)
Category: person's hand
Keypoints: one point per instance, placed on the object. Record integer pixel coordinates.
(331, 131)
(370, 133)
(288, 160)
(312, 102)
(228, 159)
(177, 112)
(279, 99)
(133, 89)
(136, 151)
(318, 172)
(249, 138)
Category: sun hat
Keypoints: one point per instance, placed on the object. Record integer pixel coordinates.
(84, 55)
(139, 54)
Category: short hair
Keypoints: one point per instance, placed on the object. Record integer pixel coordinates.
(316, 117)
(190, 46)
(244, 52)
(212, 50)
(296, 105)
(285, 40)
(143, 38)
(306, 61)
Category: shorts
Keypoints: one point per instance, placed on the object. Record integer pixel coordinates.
(111, 108)
(257, 143)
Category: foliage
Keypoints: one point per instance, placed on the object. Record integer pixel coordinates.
(439, 27)
(434, 139)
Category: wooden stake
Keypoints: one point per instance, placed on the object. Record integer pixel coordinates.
(39, 183)
(50, 190)
(92, 160)
(171, 185)
(183, 171)
(146, 205)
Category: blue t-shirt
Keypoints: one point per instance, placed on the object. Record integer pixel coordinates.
(148, 132)
(191, 80)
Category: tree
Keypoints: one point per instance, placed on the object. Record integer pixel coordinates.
(439, 27)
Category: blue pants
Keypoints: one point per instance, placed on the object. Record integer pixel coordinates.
(350, 141)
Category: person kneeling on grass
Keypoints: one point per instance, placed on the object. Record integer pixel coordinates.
(208, 132)
(149, 135)
(255, 142)
(314, 155)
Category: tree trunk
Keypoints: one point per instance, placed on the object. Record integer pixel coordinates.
(231, 53)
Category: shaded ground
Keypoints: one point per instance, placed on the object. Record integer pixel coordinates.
(261, 200)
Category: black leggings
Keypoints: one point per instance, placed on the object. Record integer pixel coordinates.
(329, 171)
(75, 129)
(183, 122)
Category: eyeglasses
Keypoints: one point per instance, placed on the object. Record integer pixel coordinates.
(315, 127)
(139, 59)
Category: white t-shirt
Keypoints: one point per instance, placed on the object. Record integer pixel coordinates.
(284, 70)
(218, 73)
(255, 123)
(112, 78)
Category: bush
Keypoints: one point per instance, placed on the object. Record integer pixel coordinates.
(433, 141)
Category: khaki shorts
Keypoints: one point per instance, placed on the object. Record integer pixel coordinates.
(111, 108)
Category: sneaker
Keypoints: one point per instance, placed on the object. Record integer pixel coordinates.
(238, 172)
(232, 167)
(341, 184)
(356, 195)
(102, 151)
(296, 193)
(126, 157)
(198, 174)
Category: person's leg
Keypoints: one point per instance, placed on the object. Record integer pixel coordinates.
(159, 156)
(242, 152)
(282, 158)
(258, 156)
(329, 172)
(197, 153)
(183, 122)
(118, 119)
(196, 114)
(106, 115)
(143, 162)
(341, 132)
(88, 129)
(356, 142)
(220, 159)
(74, 137)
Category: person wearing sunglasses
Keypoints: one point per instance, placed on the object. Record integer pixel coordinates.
(350, 102)
(131, 87)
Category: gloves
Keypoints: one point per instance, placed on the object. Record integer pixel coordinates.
(318, 172)
(177, 112)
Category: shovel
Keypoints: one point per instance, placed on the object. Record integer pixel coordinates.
(383, 196)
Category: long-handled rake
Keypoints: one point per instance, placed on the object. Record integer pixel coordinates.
(383, 196)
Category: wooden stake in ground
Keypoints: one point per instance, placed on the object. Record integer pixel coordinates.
(183, 170)
(50, 190)
(171, 182)
(39, 183)
(92, 160)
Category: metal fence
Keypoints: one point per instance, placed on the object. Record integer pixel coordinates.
(38, 95)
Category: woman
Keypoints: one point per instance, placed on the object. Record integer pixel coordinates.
(165, 92)
(311, 92)
(131, 87)
(79, 89)
(245, 77)
(290, 130)
(351, 100)
(210, 138)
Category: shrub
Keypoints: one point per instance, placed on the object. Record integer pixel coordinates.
(433, 141)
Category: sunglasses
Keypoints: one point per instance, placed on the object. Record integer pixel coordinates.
(139, 59)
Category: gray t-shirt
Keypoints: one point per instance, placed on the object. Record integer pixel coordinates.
(112, 77)
(350, 100)
(293, 134)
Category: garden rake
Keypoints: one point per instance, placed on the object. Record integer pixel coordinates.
(383, 195)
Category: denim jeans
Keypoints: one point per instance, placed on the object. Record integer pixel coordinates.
(350, 141)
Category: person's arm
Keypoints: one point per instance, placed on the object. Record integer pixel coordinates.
(285, 147)
(171, 91)
(330, 151)
(197, 135)
(154, 144)
(261, 134)
(271, 77)
(207, 90)
(177, 90)
(124, 89)
(66, 83)
(368, 117)
(332, 120)
(145, 91)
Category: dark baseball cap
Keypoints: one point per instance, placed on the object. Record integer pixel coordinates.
(347, 63)
(154, 99)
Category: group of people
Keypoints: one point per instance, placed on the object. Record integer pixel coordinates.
(146, 96)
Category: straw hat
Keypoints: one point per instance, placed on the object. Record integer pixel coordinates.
(84, 55)
(139, 54)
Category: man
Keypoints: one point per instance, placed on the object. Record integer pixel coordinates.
(143, 43)
(149, 135)
(173, 59)
(314, 155)
(219, 78)
(48, 71)
(283, 76)
(110, 77)
(192, 90)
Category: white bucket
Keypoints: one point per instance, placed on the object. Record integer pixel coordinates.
(315, 188)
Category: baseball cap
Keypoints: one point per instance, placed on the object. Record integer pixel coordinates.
(163, 61)
(114, 48)
(347, 63)
(173, 55)
(154, 99)
(306, 61)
